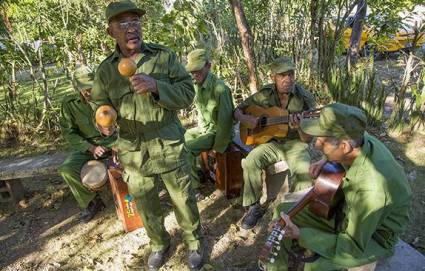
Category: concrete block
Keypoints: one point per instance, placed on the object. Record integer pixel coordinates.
(405, 258)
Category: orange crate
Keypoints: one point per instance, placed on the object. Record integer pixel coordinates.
(125, 203)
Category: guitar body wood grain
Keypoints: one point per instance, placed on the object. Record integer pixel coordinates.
(262, 134)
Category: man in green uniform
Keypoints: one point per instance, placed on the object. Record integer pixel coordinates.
(288, 95)
(214, 103)
(150, 139)
(377, 196)
(86, 141)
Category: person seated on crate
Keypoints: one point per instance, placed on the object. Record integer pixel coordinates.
(86, 141)
(285, 94)
(213, 101)
(374, 209)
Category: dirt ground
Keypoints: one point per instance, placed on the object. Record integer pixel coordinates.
(43, 232)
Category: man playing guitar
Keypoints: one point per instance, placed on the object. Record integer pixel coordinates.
(377, 196)
(290, 96)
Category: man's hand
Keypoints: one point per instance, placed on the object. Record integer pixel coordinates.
(143, 83)
(98, 151)
(115, 155)
(246, 119)
(250, 121)
(294, 121)
(291, 230)
(315, 168)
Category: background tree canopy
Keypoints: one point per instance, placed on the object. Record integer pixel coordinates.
(41, 43)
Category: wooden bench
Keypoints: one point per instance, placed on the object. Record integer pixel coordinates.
(12, 171)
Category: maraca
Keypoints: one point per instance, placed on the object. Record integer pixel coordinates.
(127, 67)
(106, 119)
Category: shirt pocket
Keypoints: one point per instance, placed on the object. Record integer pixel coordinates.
(87, 128)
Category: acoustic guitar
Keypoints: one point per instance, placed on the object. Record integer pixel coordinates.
(273, 122)
(321, 198)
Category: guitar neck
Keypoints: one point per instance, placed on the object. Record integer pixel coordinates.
(280, 119)
(299, 205)
(277, 120)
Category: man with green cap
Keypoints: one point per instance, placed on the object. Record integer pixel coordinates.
(377, 197)
(85, 140)
(287, 95)
(151, 138)
(213, 101)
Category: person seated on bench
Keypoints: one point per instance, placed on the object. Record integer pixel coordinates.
(85, 140)
(287, 95)
(377, 197)
(213, 101)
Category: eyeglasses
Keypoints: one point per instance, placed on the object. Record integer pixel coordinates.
(126, 25)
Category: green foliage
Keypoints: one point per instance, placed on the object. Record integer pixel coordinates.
(61, 34)
(359, 87)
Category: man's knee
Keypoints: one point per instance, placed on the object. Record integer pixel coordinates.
(251, 161)
(65, 170)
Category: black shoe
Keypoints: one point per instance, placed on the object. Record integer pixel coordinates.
(195, 259)
(157, 259)
(252, 216)
(92, 209)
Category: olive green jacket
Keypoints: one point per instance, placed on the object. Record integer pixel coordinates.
(377, 200)
(78, 128)
(299, 100)
(215, 106)
(147, 122)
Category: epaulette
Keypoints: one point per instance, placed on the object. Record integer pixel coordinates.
(106, 59)
(155, 46)
(70, 97)
(267, 87)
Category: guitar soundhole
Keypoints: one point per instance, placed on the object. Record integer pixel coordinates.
(262, 121)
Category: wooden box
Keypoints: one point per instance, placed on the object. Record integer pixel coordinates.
(226, 171)
(125, 203)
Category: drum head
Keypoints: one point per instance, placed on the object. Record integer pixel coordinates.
(94, 174)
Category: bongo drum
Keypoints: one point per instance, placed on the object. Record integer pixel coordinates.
(94, 175)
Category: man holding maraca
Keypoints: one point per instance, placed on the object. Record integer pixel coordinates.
(151, 87)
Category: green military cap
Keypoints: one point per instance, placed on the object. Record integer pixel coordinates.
(337, 120)
(83, 78)
(116, 8)
(281, 65)
(196, 60)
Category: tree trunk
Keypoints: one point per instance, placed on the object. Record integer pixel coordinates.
(12, 85)
(247, 42)
(5, 17)
(356, 34)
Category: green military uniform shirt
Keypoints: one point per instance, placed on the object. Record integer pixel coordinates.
(78, 128)
(214, 103)
(148, 122)
(377, 200)
(299, 100)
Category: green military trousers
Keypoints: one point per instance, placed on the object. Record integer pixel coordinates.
(145, 188)
(294, 152)
(306, 219)
(196, 142)
(70, 172)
